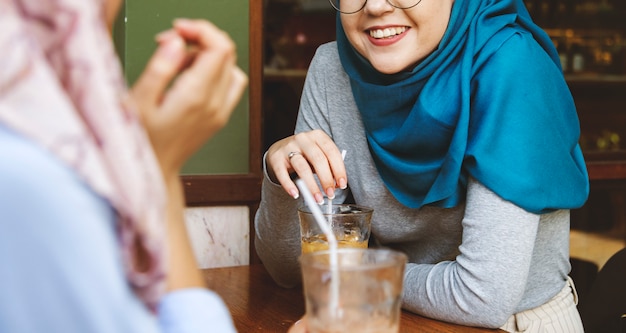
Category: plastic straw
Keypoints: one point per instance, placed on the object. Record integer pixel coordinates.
(330, 237)
(329, 209)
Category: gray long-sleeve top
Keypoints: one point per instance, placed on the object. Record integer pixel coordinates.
(475, 264)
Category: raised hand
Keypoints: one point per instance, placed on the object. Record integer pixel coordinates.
(188, 90)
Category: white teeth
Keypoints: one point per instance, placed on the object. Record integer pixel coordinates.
(387, 32)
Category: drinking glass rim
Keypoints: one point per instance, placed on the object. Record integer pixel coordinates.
(395, 258)
(362, 209)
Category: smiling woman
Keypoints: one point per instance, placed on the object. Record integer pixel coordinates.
(445, 134)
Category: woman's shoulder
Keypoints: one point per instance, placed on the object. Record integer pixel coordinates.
(516, 52)
(31, 167)
(37, 176)
(328, 50)
(28, 161)
(326, 69)
(520, 44)
(326, 57)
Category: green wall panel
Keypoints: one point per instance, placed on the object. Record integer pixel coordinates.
(228, 151)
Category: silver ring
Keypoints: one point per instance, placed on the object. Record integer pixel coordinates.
(293, 153)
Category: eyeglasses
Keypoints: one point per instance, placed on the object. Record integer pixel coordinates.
(353, 6)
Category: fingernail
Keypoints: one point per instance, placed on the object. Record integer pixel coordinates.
(182, 21)
(330, 193)
(319, 198)
(294, 193)
(165, 35)
(343, 184)
(172, 49)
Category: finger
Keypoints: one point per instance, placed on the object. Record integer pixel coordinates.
(336, 162)
(205, 36)
(213, 73)
(210, 76)
(237, 87)
(302, 167)
(166, 35)
(201, 32)
(284, 168)
(284, 178)
(326, 161)
(191, 48)
(160, 70)
(279, 167)
(319, 162)
(338, 167)
(233, 93)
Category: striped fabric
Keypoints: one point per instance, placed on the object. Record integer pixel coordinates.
(559, 315)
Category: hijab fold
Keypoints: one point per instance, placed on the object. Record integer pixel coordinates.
(490, 103)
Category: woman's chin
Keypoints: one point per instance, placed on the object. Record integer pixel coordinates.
(390, 67)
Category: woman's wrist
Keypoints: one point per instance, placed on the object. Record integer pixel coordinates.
(183, 269)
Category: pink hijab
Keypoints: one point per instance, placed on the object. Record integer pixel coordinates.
(61, 85)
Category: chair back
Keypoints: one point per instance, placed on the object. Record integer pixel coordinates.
(603, 309)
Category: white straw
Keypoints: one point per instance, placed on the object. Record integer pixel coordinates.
(329, 208)
(332, 242)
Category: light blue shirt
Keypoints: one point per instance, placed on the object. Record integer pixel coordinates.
(60, 264)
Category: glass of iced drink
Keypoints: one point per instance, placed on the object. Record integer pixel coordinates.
(350, 223)
(369, 291)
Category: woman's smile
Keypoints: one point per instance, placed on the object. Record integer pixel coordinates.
(382, 36)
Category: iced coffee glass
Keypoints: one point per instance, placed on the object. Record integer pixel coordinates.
(369, 291)
(351, 225)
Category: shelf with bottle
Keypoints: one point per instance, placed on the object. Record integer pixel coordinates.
(591, 53)
(601, 105)
(578, 14)
(590, 35)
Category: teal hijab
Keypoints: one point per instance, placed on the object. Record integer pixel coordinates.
(503, 115)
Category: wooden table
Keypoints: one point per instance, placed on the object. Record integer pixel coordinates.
(257, 304)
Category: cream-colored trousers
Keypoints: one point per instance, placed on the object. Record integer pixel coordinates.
(558, 315)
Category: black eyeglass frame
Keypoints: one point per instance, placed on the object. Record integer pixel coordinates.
(365, 2)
